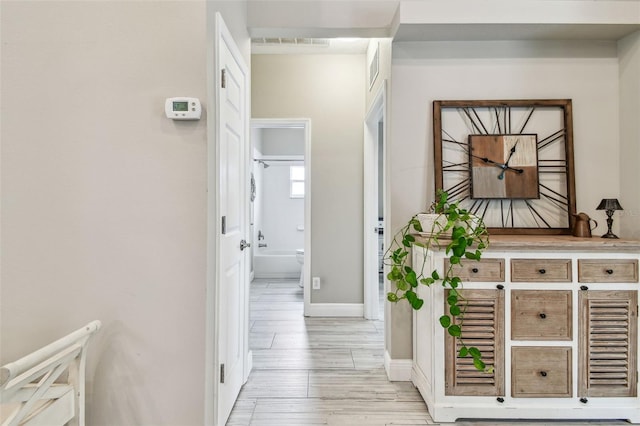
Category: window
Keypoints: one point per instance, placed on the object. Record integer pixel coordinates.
(296, 179)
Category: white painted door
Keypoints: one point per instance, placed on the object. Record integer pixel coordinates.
(233, 204)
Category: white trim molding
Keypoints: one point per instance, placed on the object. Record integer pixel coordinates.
(398, 370)
(335, 310)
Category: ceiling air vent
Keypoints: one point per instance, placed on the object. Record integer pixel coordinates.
(290, 41)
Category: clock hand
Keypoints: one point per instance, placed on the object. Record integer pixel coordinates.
(512, 151)
(500, 165)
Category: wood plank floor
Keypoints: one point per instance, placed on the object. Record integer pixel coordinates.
(325, 371)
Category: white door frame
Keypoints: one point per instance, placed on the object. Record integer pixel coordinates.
(218, 32)
(297, 123)
(375, 115)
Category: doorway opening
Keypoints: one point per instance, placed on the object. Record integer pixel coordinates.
(280, 219)
(374, 207)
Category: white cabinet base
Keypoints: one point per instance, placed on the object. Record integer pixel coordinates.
(428, 372)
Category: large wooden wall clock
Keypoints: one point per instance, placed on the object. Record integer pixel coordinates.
(508, 161)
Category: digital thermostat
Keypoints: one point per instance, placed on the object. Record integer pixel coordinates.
(182, 108)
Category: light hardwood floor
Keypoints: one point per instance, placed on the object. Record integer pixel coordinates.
(325, 371)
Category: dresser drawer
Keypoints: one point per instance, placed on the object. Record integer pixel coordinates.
(541, 270)
(541, 372)
(484, 270)
(608, 270)
(541, 315)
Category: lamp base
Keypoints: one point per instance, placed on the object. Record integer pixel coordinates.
(609, 235)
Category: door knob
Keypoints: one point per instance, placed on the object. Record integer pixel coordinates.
(244, 244)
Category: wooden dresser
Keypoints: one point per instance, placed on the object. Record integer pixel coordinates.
(557, 316)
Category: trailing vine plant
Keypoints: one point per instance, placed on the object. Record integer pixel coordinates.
(463, 236)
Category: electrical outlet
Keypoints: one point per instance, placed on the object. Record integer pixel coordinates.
(316, 283)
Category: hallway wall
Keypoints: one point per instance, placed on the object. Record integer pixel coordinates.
(328, 89)
(104, 198)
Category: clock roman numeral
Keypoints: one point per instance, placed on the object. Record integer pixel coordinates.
(536, 215)
(559, 200)
(475, 120)
(478, 205)
(506, 213)
(460, 190)
(543, 143)
(456, 167)
(503, 119)
(527, 120)
(450, 139)
(552, 166)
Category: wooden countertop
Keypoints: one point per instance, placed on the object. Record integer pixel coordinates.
(556, 242)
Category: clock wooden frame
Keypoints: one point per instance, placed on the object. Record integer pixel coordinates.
(531, 192)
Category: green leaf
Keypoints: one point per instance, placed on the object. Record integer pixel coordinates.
(471, 255)
(452, 299)
(402, 285)
(445, 321)
(392, 297)
(414, 300)
(455, 282)
(455, 260)
(411, 278)
(455, 330)
(479, 364)
(475, 352)
(454, 310)
(435, 275)
(410, 238)
(427, 281)
(417, 304)
(458, 231)
(463, 352)
(395, 274)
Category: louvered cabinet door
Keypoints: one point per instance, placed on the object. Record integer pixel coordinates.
(608, 343)
(483, 327)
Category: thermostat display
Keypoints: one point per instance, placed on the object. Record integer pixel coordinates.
(183, 108)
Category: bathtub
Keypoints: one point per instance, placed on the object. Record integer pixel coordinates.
(275, 264)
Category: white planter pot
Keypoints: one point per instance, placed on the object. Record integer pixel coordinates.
(432, 223)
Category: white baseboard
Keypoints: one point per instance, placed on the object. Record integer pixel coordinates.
(398, 370)
(335, 310)
(249, 366)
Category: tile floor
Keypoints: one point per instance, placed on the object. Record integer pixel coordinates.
(325, 371)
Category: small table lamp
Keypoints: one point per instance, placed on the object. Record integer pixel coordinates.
(610, 205)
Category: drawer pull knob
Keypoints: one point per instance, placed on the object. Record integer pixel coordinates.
(500, 287)
(584, 400)
(500, 399)
(609, 271)
(543, 373)
(542, 271)
(474, 270)
(584, 287)
(543, 315)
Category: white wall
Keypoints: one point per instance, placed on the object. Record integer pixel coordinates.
(423, 72)
(104, 198)
(282, 141)
(629, 219)
(328, 89)
(281, 214)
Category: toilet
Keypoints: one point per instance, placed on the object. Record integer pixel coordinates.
(300, 259)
